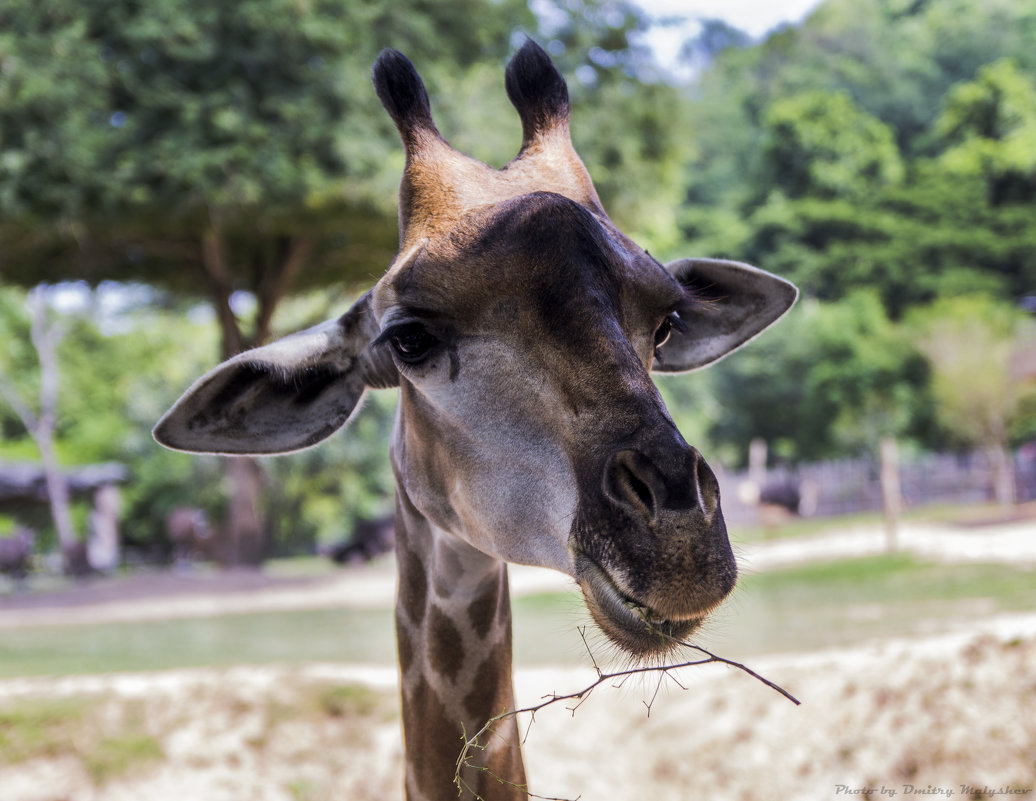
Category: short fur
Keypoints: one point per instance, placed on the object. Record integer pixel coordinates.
(521, 327)
(402, 93)
(537, 91)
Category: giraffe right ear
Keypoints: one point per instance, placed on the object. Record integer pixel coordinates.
(284, 396)
(727, 304)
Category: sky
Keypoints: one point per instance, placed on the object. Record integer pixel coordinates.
(755, 17)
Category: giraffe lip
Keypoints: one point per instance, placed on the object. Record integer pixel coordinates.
(633, 626)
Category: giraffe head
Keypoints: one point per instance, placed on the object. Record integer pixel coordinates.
(521, 327)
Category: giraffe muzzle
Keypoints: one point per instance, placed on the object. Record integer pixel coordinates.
(652, 557)
(637, 628)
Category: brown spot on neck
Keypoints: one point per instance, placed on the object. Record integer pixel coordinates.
(413, 587)
(485, 609)
(431, 766)
(445, 645)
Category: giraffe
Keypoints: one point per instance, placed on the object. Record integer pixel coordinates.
(520, 327)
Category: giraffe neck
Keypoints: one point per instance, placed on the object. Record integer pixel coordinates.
(453, 626)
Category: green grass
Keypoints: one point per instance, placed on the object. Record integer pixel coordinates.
(43, 727)
(849, 602)
(40, 727)
(363, 636)
(349, 700)
(803, 527)
(806, 607)
(112, 757)
(111, 737)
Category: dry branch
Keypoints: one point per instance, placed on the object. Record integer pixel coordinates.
(473, 743)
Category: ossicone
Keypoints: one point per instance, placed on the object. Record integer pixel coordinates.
(537, 90)
(403, 95)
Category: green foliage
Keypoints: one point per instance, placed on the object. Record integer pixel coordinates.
(638, 177)
(318, 495)
(52, 109)
(880, 150)
(990, 124)
(969, 343)
(138, 140)
(117, 373)
(879, 155)
(630, 127)
(121, 369)
(821, 144)
(831, 378)
(128, 130)
(19, 366)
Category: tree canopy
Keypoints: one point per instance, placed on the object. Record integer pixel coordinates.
(879, 150)
(880, 155)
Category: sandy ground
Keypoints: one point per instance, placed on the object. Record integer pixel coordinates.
(952, 716)
(936, 715)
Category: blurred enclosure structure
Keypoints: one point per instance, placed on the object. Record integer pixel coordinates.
(852, 486)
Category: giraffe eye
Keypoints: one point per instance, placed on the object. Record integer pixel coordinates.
(663, 331)
(412, 343)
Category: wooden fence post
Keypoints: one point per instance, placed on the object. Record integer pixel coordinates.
(891, 493)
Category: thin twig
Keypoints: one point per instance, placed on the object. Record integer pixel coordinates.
(580, 696)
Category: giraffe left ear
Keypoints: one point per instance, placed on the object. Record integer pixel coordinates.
(284, 396)
(727, 304)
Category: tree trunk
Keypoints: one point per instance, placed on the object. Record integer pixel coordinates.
(45, 337)
(213, 260)
(73, 551)
(1004, 489)
(242, 539)
(245, 529)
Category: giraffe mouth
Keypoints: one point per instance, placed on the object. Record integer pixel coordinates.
(635, 627)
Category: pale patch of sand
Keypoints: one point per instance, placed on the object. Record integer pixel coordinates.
(934, 712)
(941, 712)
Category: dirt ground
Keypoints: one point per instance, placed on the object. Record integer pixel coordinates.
(937, 716)
(952, 716)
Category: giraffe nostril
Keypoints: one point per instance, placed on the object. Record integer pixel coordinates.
(708, 488)
(629, 486)
(638, 488)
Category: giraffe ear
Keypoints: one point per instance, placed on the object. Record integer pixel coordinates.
(727, 303)
(284, 396)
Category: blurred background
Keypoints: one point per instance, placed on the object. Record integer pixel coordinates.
(181, 180)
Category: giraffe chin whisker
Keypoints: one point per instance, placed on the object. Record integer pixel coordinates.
(636, 628)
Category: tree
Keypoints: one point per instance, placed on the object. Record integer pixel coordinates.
(40, 418)
(629, 126)
(237, 151)
(832, 378)
(969, 343)
(208, 147)
(236, 144)
(990, 125)
(118, 363)
(822, 144)
(880, 156)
